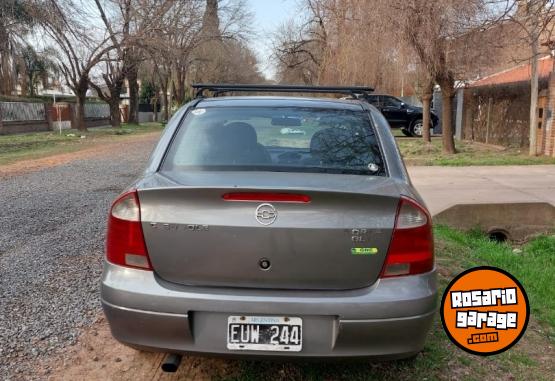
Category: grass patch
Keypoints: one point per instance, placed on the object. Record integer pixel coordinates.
(40, 144)
(397, 132)
(533, 264)
(416, 152)
(442, 360)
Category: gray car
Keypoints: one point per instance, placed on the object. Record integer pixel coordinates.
(243, 238)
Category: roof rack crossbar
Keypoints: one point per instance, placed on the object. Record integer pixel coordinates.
(217, 89)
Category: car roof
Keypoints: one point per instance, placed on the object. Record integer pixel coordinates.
(281, 101)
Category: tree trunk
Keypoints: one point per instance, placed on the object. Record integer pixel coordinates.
(447, 95)
(81, 94)
(155, 108)
(132, 76)
(170, 103)
(31, 84)
(115, 117)
(80, 113)
(426, 117)
(6, 72)
(164, 99)
(113, 101)
(534, 100)
(179, 85)
(166, 107)
(164, 104)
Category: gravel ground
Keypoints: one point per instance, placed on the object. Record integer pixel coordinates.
(51, 247)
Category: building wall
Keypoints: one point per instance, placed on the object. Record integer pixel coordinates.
(9, 128)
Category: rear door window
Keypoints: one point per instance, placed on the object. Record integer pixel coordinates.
(276, 139)
(373, 99)
(392, 102)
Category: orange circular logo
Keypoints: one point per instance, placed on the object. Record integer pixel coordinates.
(485, 310)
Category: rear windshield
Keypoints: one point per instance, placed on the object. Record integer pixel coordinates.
(276, 139)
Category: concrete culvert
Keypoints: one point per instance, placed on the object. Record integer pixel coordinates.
(499, 236)
(501, 222)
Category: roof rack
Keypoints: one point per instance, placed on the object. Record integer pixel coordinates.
(217, 89)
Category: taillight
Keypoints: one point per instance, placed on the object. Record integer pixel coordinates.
(125, 243)
(411, 250)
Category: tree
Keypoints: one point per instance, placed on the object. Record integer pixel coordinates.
(15, 19)
(159, 72)
(222, 54)
(79, 49)
(132, 62)
(424, 34)
(128, 23)
(36, 68)
(434, 30)
(342, 42)
(427, 95)
(115, 61)
(200, 41)
(168, 51)
(298, 50)
(151, 26)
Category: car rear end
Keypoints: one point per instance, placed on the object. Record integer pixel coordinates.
(272, 227)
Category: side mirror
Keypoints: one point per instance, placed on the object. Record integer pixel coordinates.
(403, 105)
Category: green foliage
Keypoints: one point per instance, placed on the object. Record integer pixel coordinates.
(37, 67)
(148, 92)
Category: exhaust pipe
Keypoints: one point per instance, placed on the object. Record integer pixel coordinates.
(171, 363)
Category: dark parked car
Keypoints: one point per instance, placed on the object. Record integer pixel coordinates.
(400, 114)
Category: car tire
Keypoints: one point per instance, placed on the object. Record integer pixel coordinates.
(406, 132)
(416, 128)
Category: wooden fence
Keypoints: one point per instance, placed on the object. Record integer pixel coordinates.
(497, 115)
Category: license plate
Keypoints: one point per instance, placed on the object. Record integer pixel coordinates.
(264, 333)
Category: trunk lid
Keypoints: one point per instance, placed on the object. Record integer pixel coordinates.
(336, 241)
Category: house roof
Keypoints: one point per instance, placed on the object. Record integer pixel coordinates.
(520, 73)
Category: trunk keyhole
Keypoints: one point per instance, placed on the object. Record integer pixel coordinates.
(264, 264)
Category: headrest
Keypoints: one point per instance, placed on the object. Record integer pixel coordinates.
(232, 136)
(242, 134)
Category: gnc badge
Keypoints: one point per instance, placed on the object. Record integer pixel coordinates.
(485, 311)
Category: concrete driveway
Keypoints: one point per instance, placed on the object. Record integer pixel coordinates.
(442, 187)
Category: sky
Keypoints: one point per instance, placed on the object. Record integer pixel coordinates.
(268, 16)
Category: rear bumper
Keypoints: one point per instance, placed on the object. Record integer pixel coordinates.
(388, 320)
